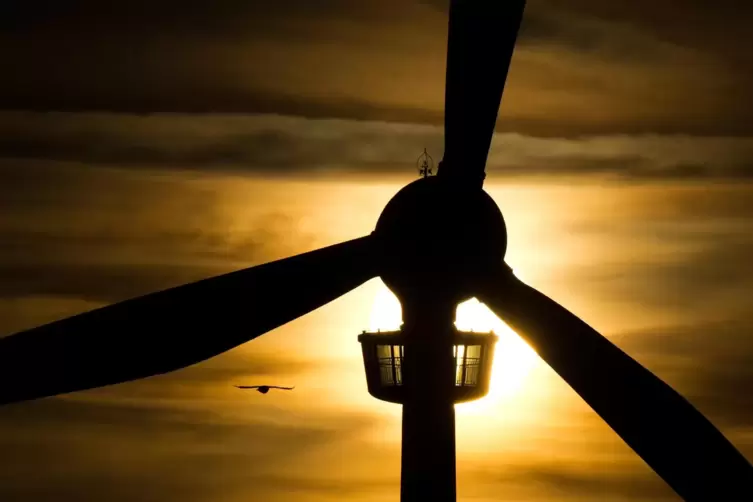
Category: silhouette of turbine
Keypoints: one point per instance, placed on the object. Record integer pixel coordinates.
(178, 327)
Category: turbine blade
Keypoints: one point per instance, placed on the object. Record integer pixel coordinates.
(663, 428)
(178, 327)
(480, 43)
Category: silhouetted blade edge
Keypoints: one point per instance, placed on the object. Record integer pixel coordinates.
(480, 44)
(175, 328)
(661, 426)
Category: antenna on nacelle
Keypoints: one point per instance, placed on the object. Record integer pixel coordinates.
(425, 164)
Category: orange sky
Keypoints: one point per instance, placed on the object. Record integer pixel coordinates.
(147, 144)
(618, 256)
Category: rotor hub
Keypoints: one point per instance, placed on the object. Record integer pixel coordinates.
(438, 236)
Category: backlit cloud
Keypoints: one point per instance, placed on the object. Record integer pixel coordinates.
(286, 145)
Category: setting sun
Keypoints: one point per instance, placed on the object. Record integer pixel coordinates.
(513, 358)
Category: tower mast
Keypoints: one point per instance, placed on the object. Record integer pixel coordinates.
(427, 365)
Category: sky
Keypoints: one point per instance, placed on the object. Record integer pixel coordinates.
(144, 145)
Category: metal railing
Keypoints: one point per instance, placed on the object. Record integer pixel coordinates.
(391, 367)
(467, 372)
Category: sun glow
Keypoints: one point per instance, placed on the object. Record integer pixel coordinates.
(513, 358)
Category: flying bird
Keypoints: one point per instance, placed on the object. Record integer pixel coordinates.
(263, 388)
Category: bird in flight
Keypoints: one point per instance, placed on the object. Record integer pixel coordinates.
(263, 388)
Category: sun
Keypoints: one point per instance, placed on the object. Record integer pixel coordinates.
(513, 358)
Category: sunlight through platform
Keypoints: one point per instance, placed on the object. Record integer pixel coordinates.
(383, 353)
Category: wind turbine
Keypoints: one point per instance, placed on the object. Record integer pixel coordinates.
(175, 328)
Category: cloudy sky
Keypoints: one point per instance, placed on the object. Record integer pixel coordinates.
(147, 144)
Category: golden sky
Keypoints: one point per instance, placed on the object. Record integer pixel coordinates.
(619, 254)
(147, 144)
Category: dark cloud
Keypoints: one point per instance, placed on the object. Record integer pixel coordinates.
(284, 145)
(225, 17)
(87, 236)
(720, 27)
(582, 67)
(628, 167)
(184, 56)
(266, 143)
(97, 284)
(547, 26)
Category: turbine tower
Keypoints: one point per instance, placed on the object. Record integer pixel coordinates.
(427, 366)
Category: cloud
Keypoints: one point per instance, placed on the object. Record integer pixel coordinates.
(673, 263)
(708, 362)
(599, 484)
(77, 233)
(104, 235)
(580, 68)
(266, 143)
(676, 266)
(573, 482)
(97, 284)
(286, 145)
(79, 448)
(693, 23)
